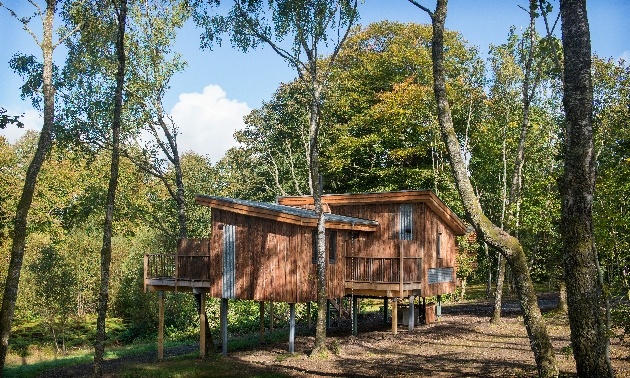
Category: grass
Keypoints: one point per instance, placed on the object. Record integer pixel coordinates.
(82, 356)
(183, 366)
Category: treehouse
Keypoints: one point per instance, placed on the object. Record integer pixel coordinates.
(389, 245)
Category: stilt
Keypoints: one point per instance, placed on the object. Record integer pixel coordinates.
(271, 317)
(395, 316)
(439, 307)
(160, 326)
(355, 316)
(262, 322)
(291, 327)
(412, 314)
(202, 324)
(385, 309)
(224, 334)
(308, 315)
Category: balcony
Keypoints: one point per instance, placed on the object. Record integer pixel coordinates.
(187, 269)
(383, 276)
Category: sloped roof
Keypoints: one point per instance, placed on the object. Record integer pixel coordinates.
(403, 196)
(283, 213)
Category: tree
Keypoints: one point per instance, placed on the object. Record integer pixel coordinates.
(307, 27)
(521, 67)
(276, 136)
(509, 246)
(383, 134)
(611, 219)
(585, 297)
(43, 147)
(153, 29)
(106, 250)
(54, 292)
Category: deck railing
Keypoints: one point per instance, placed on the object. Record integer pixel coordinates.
(188, 267)
(383, 269)
(159, 266)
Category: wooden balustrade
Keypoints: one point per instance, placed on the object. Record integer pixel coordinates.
(188, 267)
(383, 269)
(159, 266)
(357, 269)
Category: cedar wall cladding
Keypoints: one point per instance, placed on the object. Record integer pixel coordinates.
(273, 260)
(428, 231)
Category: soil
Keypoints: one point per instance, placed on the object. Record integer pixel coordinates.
(462, 343)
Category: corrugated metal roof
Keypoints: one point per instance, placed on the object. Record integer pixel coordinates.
(300, 212)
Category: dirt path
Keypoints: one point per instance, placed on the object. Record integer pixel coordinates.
(461, 344)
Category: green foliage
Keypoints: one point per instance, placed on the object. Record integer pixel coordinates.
(384, 130)
(54, 292)
(80, 332)
(6, 119)
(612, 190)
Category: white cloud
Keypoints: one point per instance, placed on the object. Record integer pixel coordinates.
(207, 121)
(32, 121)
(625, 56)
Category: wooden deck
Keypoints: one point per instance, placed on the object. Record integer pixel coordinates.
(383, 276)
(176, 272)
(368, 276)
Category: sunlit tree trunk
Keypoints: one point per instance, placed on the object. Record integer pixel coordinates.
(106, 249)
(20, 221)
(585, 297)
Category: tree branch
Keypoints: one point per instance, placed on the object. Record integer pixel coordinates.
(422, 7)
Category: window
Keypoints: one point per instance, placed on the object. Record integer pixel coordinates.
(332, 247)
(439, 245)
(405, 227)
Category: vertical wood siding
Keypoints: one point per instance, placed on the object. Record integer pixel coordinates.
(272, 260)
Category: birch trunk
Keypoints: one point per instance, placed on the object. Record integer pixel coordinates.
(20, 223)
(106, 249)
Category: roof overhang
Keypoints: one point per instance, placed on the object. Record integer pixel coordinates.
(405, 196)
(283, 213)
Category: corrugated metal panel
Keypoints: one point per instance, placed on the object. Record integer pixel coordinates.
(406, 222)
(229, 264)
(437, 275)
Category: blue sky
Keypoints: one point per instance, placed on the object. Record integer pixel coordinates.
(209, 99)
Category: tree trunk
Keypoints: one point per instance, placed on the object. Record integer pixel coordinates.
(498, 295)
(20, 223)
(562, 302)
(106, 250)
(322, 291)
(489, 281)
(509, 246)
(585, 297)
(513, 202)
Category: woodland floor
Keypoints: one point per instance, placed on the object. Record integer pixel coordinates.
(462, 344)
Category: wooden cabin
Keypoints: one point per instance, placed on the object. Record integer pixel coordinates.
(416, 235)
(389, 245)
